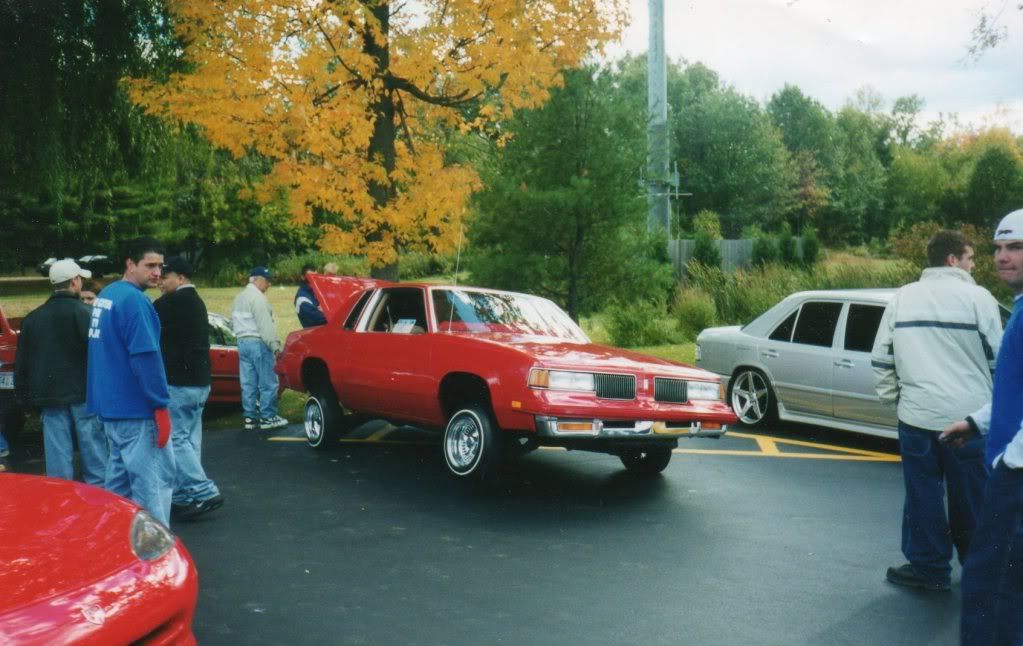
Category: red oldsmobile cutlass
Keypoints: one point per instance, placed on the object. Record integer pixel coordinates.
(500, 372)
(81, 565)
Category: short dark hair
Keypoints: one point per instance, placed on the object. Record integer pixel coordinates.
(136, 249)
(944, 244)
(308, 267)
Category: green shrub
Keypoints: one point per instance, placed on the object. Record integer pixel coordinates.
(787, 252)
(288, 269)
(811, 246)
(637, 324)
(765, 251)
(705, 251)
(694, 310)
(709, 222)
(225, 274)
(416, 264)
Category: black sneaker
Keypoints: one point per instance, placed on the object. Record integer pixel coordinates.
(195, 509)
(251, 424)
(905, 575)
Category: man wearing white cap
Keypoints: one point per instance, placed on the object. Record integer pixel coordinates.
(993, 573)
(50, 369)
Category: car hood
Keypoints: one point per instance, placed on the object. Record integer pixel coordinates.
(337, 294)
(558, 353)
(58, 535)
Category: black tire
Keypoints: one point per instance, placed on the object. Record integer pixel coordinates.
(472, 445)
(322, 420)
(647, 460)
(752, 398)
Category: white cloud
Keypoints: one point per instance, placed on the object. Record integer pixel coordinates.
(831, 48)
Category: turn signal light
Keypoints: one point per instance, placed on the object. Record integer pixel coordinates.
(539, 378)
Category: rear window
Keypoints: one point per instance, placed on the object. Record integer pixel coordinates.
(861, 327)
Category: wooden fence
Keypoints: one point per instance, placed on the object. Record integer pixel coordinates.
(735, 254)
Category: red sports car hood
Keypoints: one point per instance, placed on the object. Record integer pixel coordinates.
(45, 550)
(575, 356)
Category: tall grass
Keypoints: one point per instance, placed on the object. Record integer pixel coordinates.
(741, 296)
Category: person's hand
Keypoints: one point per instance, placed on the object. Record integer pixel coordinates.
(957, 433)
(163, 427)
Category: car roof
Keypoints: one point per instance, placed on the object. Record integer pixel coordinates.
(881, 294)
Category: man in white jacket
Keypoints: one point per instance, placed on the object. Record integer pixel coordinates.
(934, 356)
(258, 346)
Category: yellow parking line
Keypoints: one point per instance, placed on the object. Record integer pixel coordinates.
(767, 446)
(285, 439)
(880, 457)
(811, 445)
(382, 433)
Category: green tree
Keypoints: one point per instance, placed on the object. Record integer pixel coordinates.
(560, 214)
(996, 185)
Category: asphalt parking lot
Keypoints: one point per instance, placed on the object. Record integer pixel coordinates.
(776, 538)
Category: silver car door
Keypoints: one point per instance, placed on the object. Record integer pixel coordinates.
(853, 378)
(801, 368)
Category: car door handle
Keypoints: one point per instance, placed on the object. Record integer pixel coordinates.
(769, 353)
(844, 363)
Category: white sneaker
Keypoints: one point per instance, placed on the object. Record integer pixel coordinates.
(270, 423)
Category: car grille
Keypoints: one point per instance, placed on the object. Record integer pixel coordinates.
(615, 386)
(670, 390)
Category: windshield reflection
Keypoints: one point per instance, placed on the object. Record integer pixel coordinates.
(471, 311)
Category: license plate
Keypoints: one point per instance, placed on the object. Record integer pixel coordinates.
(6, 381)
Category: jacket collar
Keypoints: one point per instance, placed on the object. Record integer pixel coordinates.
(941, 273)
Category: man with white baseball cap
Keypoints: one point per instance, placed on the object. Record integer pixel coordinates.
(50, 368)
(992, 583)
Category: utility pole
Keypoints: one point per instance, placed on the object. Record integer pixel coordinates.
(658, 181)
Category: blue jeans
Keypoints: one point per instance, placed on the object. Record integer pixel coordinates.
(4, 448)
(928, 535)
(58, 422)
(190, 481)
(993, 575)
(257, 379)
(137, 469)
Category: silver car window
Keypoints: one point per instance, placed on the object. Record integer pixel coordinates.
(816, 323)
(861, 326)
(784, 331)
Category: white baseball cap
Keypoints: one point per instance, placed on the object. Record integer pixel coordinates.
(64, 270)
(1011, 227)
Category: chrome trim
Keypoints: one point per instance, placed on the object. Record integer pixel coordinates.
(547, 426)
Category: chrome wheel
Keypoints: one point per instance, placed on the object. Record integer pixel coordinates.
(313, 421)
(463, 442)
(751, 397)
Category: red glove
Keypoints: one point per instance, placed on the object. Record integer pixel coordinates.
(163, 427)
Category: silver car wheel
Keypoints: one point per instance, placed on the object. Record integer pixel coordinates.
(463, 442)
(313, 421)
(751, 397)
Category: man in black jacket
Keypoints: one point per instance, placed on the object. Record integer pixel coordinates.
(185, 345)
(306, 306)
(50, 375)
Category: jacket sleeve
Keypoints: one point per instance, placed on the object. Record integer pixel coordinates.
(22, 388)
(265, 324)
(309, 314)
(980, 420)
(882, 358)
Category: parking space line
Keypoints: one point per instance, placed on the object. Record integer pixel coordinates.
(812, 445)
(382, 433)
(880, 457)
(767, 446)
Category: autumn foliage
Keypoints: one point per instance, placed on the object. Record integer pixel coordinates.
(351, 100)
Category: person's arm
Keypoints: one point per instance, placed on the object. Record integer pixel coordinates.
(882, 358)
(21, 366)
(265, 324)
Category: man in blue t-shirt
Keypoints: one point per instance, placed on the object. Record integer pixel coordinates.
(993, 573)
(126, 384)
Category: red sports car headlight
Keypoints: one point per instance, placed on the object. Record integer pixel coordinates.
(149, 538)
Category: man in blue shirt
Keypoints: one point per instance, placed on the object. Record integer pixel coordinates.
(993, 573)
(307, 307)
(126, 383)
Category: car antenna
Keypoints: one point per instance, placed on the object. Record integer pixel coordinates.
(458, 256)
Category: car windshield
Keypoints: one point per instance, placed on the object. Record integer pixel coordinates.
(461, 310)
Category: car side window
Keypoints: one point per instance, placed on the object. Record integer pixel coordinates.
(400, 310)
(784, 331)
(353, 318)
(816, 323)
(861, 327)
(221, 333)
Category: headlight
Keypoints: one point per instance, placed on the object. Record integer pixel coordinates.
(704, 390)
(561, 380)
(149, 538)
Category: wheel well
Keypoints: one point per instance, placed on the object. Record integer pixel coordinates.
(460, 389)
(316, 376)
(738, 369)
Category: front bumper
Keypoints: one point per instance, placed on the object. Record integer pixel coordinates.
(547, 426)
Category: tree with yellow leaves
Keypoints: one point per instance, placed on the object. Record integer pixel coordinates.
(349, 100)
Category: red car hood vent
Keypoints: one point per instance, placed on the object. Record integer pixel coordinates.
(43, 542)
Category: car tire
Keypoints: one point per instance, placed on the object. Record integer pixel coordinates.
(646, 460)
(471, 443)
(322, 420)
(752, 398)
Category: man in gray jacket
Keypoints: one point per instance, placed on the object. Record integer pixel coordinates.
(933, 357)
(258, 346)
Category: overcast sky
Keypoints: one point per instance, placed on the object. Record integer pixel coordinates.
(830, 48)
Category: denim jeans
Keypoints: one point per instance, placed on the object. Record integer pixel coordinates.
(257, 379)
(928, 535)
(4, 448)
(137, 469)
(993, 575)
(190, 481)
(58, 422)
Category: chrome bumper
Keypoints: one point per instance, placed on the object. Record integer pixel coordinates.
(562, 427)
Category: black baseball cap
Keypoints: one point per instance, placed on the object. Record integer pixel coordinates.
(178, 265)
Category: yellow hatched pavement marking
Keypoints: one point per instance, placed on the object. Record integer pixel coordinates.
(381, 434)
(813, 445)
(767, 446)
